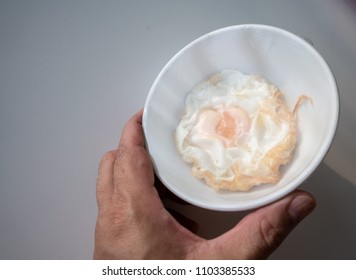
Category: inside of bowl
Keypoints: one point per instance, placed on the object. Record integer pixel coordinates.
(281, 57)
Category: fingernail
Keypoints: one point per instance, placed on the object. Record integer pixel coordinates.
(300, 207)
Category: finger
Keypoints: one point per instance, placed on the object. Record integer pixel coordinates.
(105, 183)
(133, 170)
(132, 134)
(262, 231)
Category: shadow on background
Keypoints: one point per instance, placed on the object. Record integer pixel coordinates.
(328, 233)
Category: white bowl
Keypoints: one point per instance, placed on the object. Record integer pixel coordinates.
(284, 59)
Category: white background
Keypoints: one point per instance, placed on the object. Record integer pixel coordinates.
(73, 72)
(207, 269)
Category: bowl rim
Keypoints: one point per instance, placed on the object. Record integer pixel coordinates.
(320, 155)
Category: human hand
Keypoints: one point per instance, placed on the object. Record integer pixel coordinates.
(133, 223)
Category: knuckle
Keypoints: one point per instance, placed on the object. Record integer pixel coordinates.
(123, 152)
(132, 152)
(129, 160)
(108, 157)
(271, 235)
(121, 166)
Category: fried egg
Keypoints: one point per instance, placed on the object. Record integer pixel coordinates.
(237, 131)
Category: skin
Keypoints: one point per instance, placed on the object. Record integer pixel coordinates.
(133, 223)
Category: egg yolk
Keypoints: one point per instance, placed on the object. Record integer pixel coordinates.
(224, 123)
(226, 126)
(233, 122)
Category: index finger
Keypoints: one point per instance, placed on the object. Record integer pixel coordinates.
(132, 134)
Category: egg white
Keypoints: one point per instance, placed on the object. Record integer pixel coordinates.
(236, 131)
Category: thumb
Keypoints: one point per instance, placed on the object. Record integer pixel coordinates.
(261, 232)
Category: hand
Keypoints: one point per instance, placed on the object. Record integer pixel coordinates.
(132, 222)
